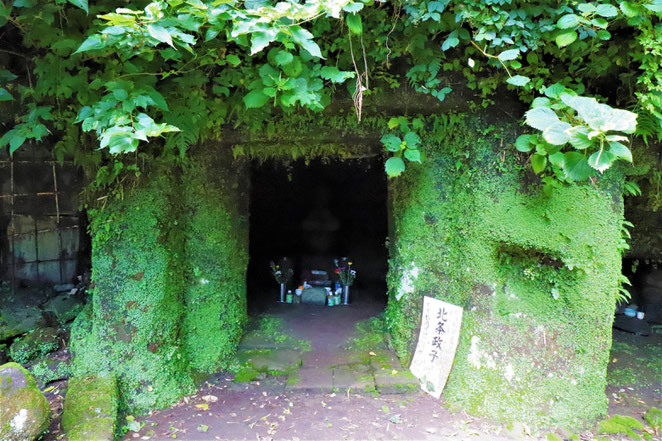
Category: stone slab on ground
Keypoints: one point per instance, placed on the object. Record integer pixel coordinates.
(317, 379)
(356, 377)
(394, 381)
(257, 340)
(90, 409)
(274, 361)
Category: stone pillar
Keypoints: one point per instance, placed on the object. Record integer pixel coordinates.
(132, 327)
(536, 272)
(216, 227)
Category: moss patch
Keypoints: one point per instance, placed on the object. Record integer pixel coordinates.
(216, 254)
(621, 425)
(634, 365)
(35, 344)
(654, 418)
(90, 409)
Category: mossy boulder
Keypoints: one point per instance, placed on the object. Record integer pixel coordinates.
(35, 344)
(90, 409)
(24, 411)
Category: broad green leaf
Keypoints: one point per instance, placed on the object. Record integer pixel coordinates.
(523, 143)
(15, 142)
(354, 23)
(394, 122)
(616, 138)
(283, 57)
(412, 140)
(305, 39)
(622, 120)
(160, 34)
(557, 159)
(601, 160)
(212, 33)
(255, 99)
(575, 167)
(566, 38)
(541, 117)
(518, 80)
(294, 68)
(91, 43)
(620, 151)
(538, 163)
(233, 60)
(6, 76)
(568, 21)
(556, 134)
(586, 8)
(606, 10)
(81, 4)
(451, 41)
(83, 113)
(654, 5)
(335, 75)
(630, 9)
(510, 54)
(541, 102)
(600, 23)
(5, 95)
(555, 91)
(394, 166)
(603, 34)
(579, 137)
(391, 142)
(601, 117)
(353, 7)
(413, 155)
(549, 149)
(260, 40)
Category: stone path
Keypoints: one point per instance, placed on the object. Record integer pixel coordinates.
(327, 363)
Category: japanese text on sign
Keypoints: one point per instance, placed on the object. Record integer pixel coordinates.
(437, 343)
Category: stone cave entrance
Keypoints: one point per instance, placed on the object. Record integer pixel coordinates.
(312, 212)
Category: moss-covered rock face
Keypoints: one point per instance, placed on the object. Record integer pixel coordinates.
(132, 326)
(35, 344)
(24, 411)
(90, 409)
(216, 250)
(169, 266)
(537, 274)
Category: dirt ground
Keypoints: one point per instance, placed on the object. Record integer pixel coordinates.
(269, 409)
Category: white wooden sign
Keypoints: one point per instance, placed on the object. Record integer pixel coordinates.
(437, 343)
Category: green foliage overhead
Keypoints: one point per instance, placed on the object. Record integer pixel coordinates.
(579, 136)
(98, 80)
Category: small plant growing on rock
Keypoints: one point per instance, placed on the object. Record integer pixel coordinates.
(579, 136)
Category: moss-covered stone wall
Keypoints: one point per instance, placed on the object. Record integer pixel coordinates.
(216, 219)
(168, 267)
(537, 274)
